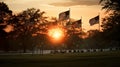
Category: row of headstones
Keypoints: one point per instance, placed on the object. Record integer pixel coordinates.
(84, 50)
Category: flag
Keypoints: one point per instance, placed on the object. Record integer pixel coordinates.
(77, 23)
(64, 15)
(94, 20)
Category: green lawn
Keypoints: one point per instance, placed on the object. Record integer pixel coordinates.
(100, 59)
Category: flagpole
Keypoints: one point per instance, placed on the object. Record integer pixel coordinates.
(99, 20)
(81, 23)
(69, 16)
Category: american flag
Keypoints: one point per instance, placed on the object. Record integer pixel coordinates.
(94, 20)
(64, 15)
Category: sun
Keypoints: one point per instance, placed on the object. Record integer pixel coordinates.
(56, 33)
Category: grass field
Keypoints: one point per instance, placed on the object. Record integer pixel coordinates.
(98, 59)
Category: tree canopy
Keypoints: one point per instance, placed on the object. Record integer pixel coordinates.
(111, 23)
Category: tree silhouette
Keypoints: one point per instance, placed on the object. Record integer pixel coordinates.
(111, 23)
(5, 14)
(109, 5)
(25, 25)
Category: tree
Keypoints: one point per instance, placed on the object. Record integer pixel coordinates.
(25, 25)
(111, 5)
(111, 23)
(5, 14)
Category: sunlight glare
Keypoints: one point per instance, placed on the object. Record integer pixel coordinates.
(56, 33)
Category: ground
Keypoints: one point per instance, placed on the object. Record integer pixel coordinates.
(96, 59)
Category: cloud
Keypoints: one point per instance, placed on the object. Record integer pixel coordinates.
(2, 0)
(76, 2)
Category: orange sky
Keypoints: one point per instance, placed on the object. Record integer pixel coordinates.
(86, 9)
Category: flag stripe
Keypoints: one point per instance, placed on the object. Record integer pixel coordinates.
(77, 23)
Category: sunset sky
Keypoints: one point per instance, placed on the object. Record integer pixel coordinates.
(86, 9)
